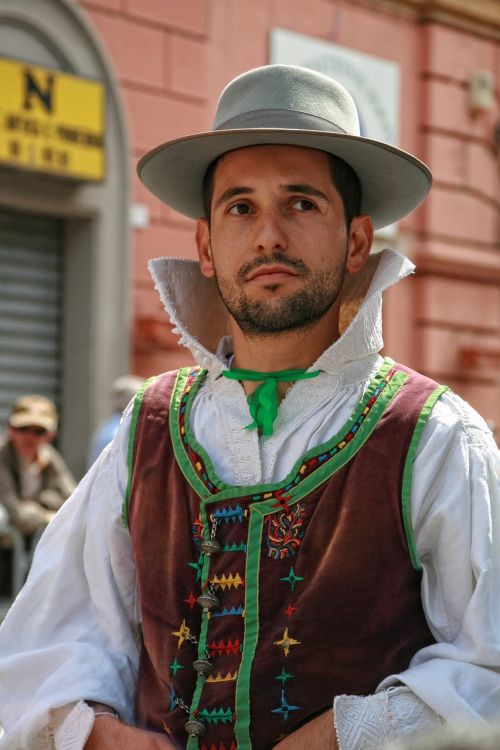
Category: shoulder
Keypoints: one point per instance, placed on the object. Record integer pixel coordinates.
(455, 417)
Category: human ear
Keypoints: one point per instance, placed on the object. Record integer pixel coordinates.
(360, 242)
(204, 247)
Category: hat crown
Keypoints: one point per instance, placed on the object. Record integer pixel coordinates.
(286, 96)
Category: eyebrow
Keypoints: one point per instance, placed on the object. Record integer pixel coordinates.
(231, 192)
(305, 189)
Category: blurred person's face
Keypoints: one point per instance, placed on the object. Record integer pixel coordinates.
(27, 440)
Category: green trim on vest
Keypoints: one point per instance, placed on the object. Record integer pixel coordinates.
(408, 474)
(131, 441)
(252, 568)
(346, 451)
(177, 439)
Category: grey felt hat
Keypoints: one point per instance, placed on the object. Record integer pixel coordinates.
(287, 105)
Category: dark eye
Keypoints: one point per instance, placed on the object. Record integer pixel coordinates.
(239, 209)
(304, 205)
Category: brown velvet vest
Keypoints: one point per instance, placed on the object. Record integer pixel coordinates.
(317, 592)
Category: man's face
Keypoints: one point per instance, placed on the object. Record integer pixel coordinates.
(277, 243)
(27, 440)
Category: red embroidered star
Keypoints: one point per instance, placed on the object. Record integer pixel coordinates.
(282, 502)
(290, 610)
(191, 600)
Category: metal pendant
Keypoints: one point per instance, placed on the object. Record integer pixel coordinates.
(211, 547)
(208, 601)
(202, 667)
(194, 727)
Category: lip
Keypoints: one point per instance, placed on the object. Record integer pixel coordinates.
(271, 272)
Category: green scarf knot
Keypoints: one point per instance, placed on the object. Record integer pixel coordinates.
(263, 402)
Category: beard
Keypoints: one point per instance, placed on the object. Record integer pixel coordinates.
(299, 310)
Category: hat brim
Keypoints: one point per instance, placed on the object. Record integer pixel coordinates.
(393, 182)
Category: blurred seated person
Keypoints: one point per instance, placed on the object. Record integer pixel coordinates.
(34, 479)
(123, 391)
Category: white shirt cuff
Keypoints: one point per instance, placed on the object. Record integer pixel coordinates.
(369, 722)
(70, 726)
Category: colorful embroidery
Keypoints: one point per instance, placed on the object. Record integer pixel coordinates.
(230, 513)
(220, 746)
(198, 531)
(228, 582)
(175, 666)
(285, 707)
(226, 678)
(286, 642)
(289, 611)
(198, 566)
(197, 461)
(285, 532)
(191, 600)
(183, 633)
(292, 579)
(241, 547)
(224, 648)
(284, 676)
(216, 715)
(239, 611)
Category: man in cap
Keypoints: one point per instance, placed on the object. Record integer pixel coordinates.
(306, 524)
(34, 480)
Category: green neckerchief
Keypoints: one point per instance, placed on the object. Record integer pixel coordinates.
(263, 402)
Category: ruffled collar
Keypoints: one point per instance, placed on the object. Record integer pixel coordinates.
(199, 317)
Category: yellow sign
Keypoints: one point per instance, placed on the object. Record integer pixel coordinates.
(51, 121)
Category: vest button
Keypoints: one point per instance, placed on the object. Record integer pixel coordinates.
(208, 601)
(194, 728)
(211, 547)
(202, 667)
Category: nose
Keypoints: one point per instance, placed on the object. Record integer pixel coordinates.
(270, 233)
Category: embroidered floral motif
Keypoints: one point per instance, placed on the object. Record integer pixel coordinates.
(285, 532)
(198, 566)
(183, 633)
(220, 746)
(198, 531)
(292, 578)
(175, 666)
(284, 676)
(191, 600)
(286, 642)
(285, 707)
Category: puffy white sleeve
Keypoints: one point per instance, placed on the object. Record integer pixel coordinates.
(455, 511)
(456, 521)
(72, 632)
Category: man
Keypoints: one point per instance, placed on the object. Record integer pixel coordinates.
(34, 480)
(305, 523)
(34, 483)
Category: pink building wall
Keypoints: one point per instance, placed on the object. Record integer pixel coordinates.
(172, 59)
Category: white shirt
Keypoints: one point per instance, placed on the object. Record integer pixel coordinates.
(73, 631)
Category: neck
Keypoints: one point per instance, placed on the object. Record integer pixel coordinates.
(294, 350)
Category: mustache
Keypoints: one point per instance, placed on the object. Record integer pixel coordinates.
(296, 265)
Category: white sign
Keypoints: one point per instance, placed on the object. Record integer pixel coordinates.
(372, 82)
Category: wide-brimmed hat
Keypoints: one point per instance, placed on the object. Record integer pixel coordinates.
(287, 105)
(38, 411)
